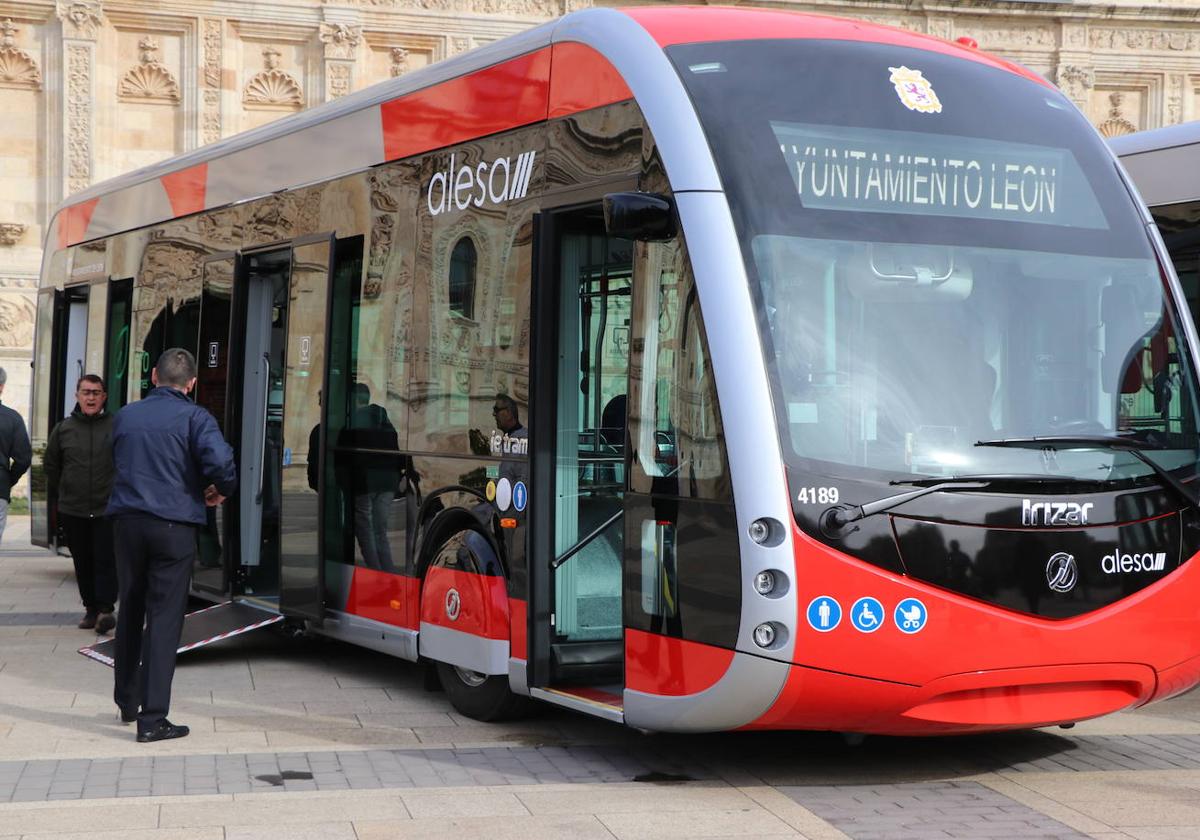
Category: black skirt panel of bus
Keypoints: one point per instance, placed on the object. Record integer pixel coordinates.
(1056, 574)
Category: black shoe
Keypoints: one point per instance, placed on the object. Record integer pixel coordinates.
(105, 622)
(129, 715)
(88, 621)
(164, 730)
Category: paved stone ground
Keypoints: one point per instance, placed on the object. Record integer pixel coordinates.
(315, 739)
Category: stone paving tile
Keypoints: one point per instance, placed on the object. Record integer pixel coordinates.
(927, 810)
(170, 775)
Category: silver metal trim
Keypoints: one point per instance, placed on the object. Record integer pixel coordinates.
(593, 709)
(518, 676)
(466, 650)
(755, 459)
(400, 642)
(656, 87)
(748, 689)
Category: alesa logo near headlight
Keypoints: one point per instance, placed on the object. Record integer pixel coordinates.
(459, 187)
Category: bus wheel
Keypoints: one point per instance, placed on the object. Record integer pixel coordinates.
(480, 696)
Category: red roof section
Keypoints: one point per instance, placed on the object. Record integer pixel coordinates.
(670, 25)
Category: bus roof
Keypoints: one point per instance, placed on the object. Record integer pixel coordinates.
(613, 55)
(1156, 139)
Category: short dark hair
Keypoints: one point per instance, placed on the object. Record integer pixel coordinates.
(94, 379)
(511, 404)
(176, 367)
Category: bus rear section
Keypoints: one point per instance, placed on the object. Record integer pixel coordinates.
(983, 384)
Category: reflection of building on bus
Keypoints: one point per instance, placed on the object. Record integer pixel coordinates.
(624, 385)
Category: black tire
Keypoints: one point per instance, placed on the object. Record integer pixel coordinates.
(480, 697)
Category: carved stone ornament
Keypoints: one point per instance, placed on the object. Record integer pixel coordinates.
(1075, 82)
(81, 18)
(79, 116)
(151, 79)
(273, 87)
(10, 232)
(399, 61)
(340, 39)
(17, 316)
(338, 79)
(1116, 124)
(17, 67)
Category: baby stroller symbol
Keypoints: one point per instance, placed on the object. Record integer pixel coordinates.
(911, 615)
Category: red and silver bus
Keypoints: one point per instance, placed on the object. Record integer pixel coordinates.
(698, 369)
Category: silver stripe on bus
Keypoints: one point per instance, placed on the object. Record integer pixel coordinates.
(466, 650)
(374, 635)
(747, 690)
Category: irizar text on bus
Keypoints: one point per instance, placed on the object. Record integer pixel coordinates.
(1054, 513)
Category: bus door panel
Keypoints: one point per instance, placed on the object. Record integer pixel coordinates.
(301, 572)
(213, 382)
(68, 346)
(591, 273)
(264, 296)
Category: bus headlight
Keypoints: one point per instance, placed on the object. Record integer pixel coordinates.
(764, 582)
(764, 634)
(760, 531)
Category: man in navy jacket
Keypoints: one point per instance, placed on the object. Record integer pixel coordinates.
(170, 461)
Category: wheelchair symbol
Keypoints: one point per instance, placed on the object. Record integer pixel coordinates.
(867, 615)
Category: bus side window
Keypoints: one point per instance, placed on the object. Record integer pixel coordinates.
(675, 421)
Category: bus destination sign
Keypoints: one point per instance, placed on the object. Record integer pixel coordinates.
(871, 170)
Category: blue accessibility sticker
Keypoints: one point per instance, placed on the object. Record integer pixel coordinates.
(867, 615)
(520, 496)
(824, 613)
(911, 616)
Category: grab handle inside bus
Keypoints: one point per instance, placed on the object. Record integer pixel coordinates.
(641, 216)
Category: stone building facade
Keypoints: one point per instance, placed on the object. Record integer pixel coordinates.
(90, 89)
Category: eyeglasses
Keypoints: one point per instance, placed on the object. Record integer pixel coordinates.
(90, 392)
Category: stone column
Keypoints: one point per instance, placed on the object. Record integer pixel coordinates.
(212, 33)
(81, 22)
(341, 41)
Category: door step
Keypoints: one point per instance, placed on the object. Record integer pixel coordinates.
(200, 628)
(601, 701)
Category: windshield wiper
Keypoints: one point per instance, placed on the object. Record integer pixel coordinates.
(835, 520)
(1136, 448)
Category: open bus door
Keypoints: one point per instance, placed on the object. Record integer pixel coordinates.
(583, 300)
(281, 323)
(260, 371)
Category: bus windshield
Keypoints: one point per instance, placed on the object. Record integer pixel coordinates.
(943, 254)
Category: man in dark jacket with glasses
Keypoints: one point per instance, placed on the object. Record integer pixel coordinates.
(79, 475)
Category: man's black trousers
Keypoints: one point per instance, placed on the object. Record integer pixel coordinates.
(90, 539)
(154, 567)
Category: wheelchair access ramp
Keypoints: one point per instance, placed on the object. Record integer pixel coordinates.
(200, 628)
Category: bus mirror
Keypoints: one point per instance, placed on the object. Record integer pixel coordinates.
(644, 217)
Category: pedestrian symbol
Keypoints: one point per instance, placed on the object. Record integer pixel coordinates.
(911, 615)
(867, 615)
(520, 496)
(824, 613)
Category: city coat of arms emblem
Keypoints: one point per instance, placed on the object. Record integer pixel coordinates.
(915, 91)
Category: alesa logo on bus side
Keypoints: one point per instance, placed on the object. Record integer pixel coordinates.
(458, 187)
